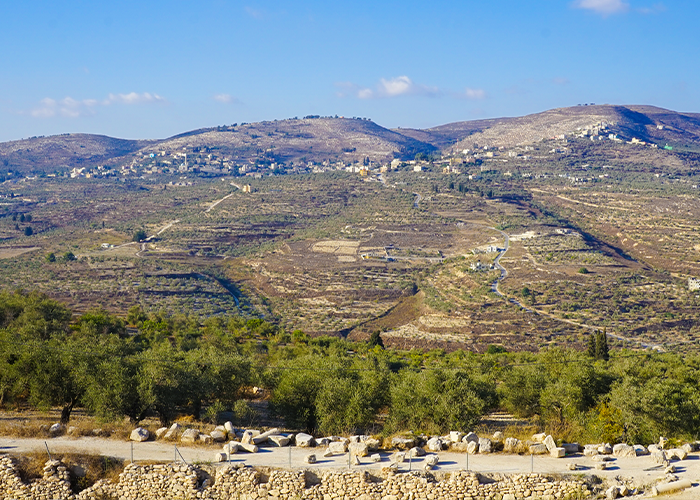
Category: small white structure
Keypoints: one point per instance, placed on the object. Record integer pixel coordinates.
(693, 284)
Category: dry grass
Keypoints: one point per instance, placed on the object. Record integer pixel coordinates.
(85, 469)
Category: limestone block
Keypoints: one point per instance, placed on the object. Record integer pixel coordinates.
(328, 453)
(621, 450)
(373, 444)
(310, 459)
(471, 437)
(558, 452)
(539, 438)
(56, 429)
(549, 442)
(231, 448)
(472, 447)
(511, 445)
(459, 447)
(218, 436)
(173, 432)
(678, 453)
(304, 440)
(590, 449)
(398, 457)
(190, 436)
(206, 439)
(279, 440)
(375, 457)
(403, 443)
(663, 442)
(228, 427)
(538, 449)
(434, 444)
(359, 449)
(416, 451)
(640, 450)
(140, 434)
(456, 436)
(497, 437)
(432, 460)
(605, 449)
(221, 457)
(571, 448)
(161, 432)
(485, 445)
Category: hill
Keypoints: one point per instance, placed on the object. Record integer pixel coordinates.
(317, 139)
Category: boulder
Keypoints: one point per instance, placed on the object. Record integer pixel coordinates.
(537, 449)
(206, 439)
(659, 457)
(485, 445)
(549, 442)
(471, 437)
(247, 437)
(338, 447)
(416, 451)
(398, 457)
(140, 435)
(663, 442)
(221, 457)
(472, 447)
(640, 450)
(231, 448)
(653, 448)
(459, 447)
(557, 452)
(228, 427)
(218, 436)
(678, 453)
(605, 449)
(328, 453)
(278, 440)
(56, 429)
(622, 450)
(161, 432)
(356, 460)
(571, 448)
(539, 438)
(249, 447)
(403, 443)
(590, 449)
(602, 458)
(373, 444)
(511, 445)
(303, 440)
(432, 460)
(190, 436)
(324, 441)
(434, 444)
(73, 431)
(359, 449)
(173, 432)
(612, 493)
(497, 437)
(689, 448)
(264, 436)
(310, 459)
(376, 457)
(456, 436)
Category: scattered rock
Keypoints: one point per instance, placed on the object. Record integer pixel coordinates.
(549, 442)
(190, 436)
(571, 448)
(678, 453)
(376, 457)
(537, 449)
(304, 440)
(140, 434)
(497, 437)
(434, 444)
(398, 457)
(338, 447)
(359, 449)
(206, 439)
(56, 429)
(471, 437)
(403, 443)
(279, 440)
(590, 450)
(511, 445)
(416, 451)
(218, 436)
(624, 450)
(310, 459)
(159, 433)
(472, 447)
(231, 448)
(327, 453)
(432, 460)
(456, 436)
(221, 457)
(373, 444)
(485, 445)
(640, 450)
(228, 427)
(173, 432)
(558, 452)
(605, 449)
(539, 438)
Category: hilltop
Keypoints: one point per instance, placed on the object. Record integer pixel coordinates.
(346, 141)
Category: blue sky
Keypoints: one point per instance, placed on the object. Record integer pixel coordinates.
(151, 69)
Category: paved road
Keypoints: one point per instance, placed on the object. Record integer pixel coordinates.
(640, 470)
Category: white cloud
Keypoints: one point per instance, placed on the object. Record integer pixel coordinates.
(392, 87)
(74, 108)
(133, 98)
(475, 94)
(225, 98)
(603, 7)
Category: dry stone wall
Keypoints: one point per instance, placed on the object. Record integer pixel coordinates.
(184, 482)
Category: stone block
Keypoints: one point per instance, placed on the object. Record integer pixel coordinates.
(558, 452)
(622, 450)
(140, 434)
(303, 440)
(538, 449)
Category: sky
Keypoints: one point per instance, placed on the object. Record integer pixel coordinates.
(152, 69)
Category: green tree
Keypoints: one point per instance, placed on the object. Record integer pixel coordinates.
(139, 235)
(51, 257)
(28, 231)
(375, 340)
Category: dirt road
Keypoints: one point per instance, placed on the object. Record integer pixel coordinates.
(638, 471)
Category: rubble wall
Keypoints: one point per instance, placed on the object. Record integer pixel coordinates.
(184, 482)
